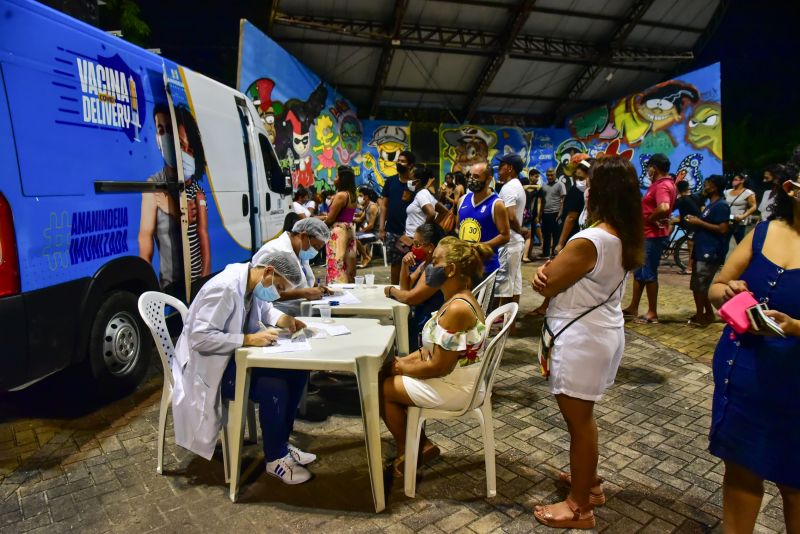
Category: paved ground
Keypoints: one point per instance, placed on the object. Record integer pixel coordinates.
(68, 462)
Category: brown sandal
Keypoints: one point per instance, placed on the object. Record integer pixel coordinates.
(581, 519)
(597, 496)
(428, 454)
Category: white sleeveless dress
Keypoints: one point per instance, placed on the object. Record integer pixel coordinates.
(586, 356)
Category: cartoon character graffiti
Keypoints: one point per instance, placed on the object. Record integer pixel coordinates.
(467, 146)
(260, 91)
(326, 139)
(350, 131)
(564, 154)
(688, 171)
(388, 141)
(292, 135)
(655, 109)
(704, 129)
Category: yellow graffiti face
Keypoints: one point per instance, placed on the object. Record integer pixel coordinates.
(387, 157)
(658, 111)
(324, 130)
(704, 129)
(470, 231)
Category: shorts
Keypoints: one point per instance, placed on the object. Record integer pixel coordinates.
(451, 392)
(653, 248)
(509, 277)
(393, 256)
(702, 276)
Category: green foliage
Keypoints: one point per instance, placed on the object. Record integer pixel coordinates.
(126, 15)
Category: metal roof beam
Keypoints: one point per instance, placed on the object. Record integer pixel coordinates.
(590, 72)
(433, 91)
(516, 21)
(577, 14)
(387, 54)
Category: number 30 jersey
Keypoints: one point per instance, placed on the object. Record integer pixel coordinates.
(476, 225)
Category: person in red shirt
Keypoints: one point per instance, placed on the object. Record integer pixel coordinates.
(657, 205)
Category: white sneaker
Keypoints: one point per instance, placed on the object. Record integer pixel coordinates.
(289, 471)
(301, 457)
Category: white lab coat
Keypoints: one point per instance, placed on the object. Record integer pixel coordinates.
(214, 329)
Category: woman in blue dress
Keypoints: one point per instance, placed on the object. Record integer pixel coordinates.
(755, 426)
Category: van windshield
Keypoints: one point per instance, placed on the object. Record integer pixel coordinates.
(275, 177)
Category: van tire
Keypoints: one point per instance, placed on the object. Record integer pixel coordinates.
(119, 344)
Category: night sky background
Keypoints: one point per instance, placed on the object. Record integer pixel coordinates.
(757, 43)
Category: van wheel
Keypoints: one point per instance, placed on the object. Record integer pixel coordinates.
(120, 344)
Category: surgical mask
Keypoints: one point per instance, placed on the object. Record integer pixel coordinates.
(419, 253)
(435, 276)
(310, 254)
(581, 185)
(188, 165)
(328, 201)
(401, 168)
(166, 143)
(360, 201)
(475, 184)
(410, 185)
(268, 294)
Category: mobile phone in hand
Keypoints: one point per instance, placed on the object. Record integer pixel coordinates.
(763, 323)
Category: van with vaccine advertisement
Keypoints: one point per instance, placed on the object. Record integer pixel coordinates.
(120, 172)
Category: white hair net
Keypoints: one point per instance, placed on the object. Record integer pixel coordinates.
(285, 264)
(313, 227)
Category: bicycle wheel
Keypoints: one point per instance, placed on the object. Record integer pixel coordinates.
(680, 253)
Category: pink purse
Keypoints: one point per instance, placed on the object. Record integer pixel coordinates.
(734, 312)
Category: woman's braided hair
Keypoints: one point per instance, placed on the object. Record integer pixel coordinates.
(467, 257)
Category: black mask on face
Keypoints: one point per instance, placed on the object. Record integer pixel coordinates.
(402, 169)
(475, 184)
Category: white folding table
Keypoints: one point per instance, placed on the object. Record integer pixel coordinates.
(361, 352)
(373, 302)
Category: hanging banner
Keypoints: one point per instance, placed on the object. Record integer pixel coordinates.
(681, 118)
(314, 129)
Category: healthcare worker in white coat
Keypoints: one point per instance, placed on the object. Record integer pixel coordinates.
(229, 312)
(307, 237)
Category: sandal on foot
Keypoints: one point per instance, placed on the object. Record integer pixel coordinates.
(581, 519)
(642, 319)
(597, 496)
(428, 454)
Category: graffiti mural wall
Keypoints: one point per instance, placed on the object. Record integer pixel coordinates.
(681, 118)
(382, 143)
(313, 128)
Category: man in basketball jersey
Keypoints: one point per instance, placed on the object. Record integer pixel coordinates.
(482, 216)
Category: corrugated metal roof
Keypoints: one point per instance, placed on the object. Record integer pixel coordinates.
(444, 49)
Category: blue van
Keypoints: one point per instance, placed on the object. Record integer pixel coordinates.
(120, 172)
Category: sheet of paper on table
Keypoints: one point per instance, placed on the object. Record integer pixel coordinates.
(344, 298)
(286, 344)
(321, 330)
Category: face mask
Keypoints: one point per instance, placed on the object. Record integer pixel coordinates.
(166, 143)
(309, 254)
(419, 253)
(402, 169)
(328, 201)
(360, 201)
(581, 185)
(188, 165)
(410, 185)
(268, 294)
(435, 276)
(475, 184)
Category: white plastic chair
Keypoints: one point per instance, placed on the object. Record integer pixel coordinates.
(479, 405)
(151, 308)
(379, 243)
(484, 292)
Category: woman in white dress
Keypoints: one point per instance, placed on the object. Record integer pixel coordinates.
(586, 282)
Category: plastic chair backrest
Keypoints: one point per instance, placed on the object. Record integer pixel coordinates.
(491, 354)
(151, 307)
(484, 291)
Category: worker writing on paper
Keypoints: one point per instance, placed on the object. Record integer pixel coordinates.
(226, 315)
(307, 237)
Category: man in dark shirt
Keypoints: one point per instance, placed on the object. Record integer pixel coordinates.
(710, 246)
(574, 201)
(687, 204)
(395, 198)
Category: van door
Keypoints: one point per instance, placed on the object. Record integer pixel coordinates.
(272, 182)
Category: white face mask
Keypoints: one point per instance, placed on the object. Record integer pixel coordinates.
(360, 201)
(166, 144)
(581, 185)
(328, 201)
(410, 185)
(188, 165)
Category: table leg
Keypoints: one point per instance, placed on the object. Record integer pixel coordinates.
(236, 410)
(400, 318)
(367, 374)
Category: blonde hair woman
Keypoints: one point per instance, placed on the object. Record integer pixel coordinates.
(442, 372)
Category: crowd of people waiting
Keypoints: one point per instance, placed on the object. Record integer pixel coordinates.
(594, 227)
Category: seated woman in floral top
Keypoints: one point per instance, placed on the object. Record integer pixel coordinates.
(443, 372)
